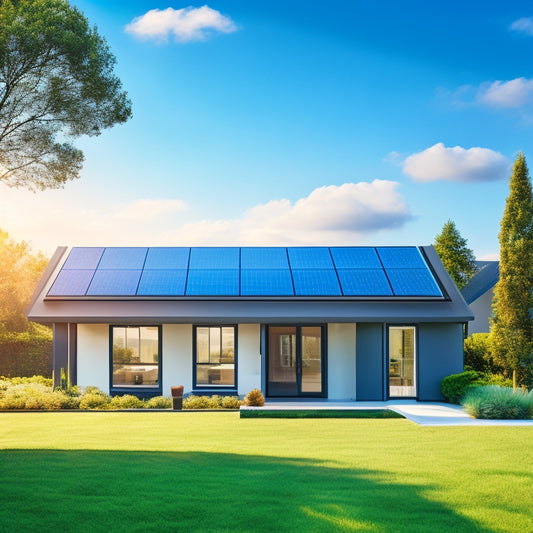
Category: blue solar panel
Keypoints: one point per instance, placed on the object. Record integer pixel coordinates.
(316, 283)
(114, 283)
(167, 259)
(355, 258)
(216, 282)
(255, 282)
(263, 258)
(123, 258)
(408, 257)
(71, 283)
(162, 283)
(364, 282)
(413, 282)
(83, 258)
(214, 258)
(310, 258)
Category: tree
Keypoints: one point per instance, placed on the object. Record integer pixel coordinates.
(456, 257)
(56, 84)
(513, 295)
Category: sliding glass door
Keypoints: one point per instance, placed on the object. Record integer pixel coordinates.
(295, 361)
(402, 362)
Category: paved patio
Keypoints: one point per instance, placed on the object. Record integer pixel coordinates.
(422, 413)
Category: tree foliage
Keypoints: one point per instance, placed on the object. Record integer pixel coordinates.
(455, 255)
(56, 83)
(20, 270)
(513, 295)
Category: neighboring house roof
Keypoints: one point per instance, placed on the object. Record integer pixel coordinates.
(485, 279)
(247, 284)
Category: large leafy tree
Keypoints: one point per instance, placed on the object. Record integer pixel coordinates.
(455, 255)
(56, 83)
(513, 295)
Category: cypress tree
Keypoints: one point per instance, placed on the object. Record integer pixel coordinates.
(455, 255)
(513, 295)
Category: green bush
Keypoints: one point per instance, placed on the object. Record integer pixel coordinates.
(211, 402)
(478, 354)
(454, 387)
(494, 402)
(159, 402)
(34, 395)
(254, 398)
(231, 402)
(126, 401)
(94, 400)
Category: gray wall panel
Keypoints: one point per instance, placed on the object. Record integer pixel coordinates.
(369, 362)
(440, 353)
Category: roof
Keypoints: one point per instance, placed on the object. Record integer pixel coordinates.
(485, 279)
(246, 284)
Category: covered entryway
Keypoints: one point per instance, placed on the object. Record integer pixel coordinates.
(296, 361)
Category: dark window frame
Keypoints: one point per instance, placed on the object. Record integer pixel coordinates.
(143, 391)
(209, 388)
(386, 360)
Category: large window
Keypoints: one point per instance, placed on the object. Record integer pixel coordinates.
(135, 356)
(214, 357)
(402, 361)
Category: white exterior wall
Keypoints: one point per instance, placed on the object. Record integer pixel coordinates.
(341, 361)
(177, 357)
(248, 358)
(93, 356)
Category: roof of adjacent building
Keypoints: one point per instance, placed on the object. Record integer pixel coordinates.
(484, 280)
(250, 284)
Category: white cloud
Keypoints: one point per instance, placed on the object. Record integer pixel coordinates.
(456, 164)
(523, 25)
(514, 93)
(187, 24)
(329, 215)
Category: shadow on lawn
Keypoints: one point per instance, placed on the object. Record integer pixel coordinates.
(46, 490)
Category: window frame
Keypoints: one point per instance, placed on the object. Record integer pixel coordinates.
(210, 388)
(145, 391)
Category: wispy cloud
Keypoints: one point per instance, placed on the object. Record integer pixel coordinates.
(185, 25)
(523, 25)
(456, 164)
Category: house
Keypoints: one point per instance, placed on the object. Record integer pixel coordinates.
(361, 323)
(478, 294)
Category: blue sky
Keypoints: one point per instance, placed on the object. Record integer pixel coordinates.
(298, 123)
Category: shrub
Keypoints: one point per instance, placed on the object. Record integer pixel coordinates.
(254, 398)
(94, 400)
(196, 402)
(159, 402)
(493, 402)
(231, 402)
(454, 387)
(126, 401)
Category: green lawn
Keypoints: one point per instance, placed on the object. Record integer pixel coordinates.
(165, 471)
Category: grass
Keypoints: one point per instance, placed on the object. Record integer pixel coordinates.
(319, 413)
(215, 472)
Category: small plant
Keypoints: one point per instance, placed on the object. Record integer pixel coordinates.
(126, 401)
(493, 402)
(159, 402)
(196, 402)
(254, 398)
(94, 400)
(454, 387)
(231, 402)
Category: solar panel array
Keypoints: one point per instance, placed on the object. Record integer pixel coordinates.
(294, 271)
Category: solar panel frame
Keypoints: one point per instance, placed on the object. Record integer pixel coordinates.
(162, 282)
(115, 258)
(83, 258)
(264, 258)
(317, 282)
(355, 257)
(162, 258)
(114, 283)
(310, 258)
(73, 282)
(256, 282)
(206, 258)
(213, 282)
(364, 282)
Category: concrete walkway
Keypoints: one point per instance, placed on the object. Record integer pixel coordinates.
(422, 413)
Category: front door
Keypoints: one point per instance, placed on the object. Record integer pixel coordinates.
(402, 362)
(295, 361)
